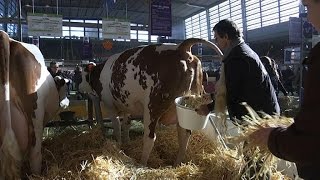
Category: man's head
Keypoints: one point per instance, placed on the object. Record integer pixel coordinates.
(54, 66)
(313, 7)
(225, 31)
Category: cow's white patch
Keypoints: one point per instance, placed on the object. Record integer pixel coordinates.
(64, 103)
(7, 91)
(164, 47)
(39, 57)
(35, 51)
(84, 86)
(105, 79)
(192, 78)
(264, 71)
(184, 63)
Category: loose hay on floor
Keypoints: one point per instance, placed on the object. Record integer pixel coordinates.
(86, 155)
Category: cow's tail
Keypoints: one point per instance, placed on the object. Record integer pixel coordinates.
(186, 45)
(10, 155)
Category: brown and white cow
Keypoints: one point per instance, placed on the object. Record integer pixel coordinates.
(145, 81)
(29, 96)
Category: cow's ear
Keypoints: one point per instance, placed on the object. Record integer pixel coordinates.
(59, 81)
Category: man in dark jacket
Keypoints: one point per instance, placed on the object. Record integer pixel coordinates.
(245, 76)
(246, 80)
(300, 141)
(54, 69)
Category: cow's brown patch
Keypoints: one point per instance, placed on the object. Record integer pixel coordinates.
(4, 56)
(25, 71)
(119, 69)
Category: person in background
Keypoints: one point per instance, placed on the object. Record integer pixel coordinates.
(300, 143)
(271, 68)
(288, 77)
(77, 78)
(54, 69)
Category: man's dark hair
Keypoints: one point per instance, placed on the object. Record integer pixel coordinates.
(227, 27)
(53, 63)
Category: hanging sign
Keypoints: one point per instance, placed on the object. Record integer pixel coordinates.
(115, 29)
(44, 25)
(160, 17)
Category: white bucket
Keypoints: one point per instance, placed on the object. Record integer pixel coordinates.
(188, 118)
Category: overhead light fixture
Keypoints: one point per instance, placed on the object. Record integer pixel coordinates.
(47, 6)
(195, 5)
(27, 5)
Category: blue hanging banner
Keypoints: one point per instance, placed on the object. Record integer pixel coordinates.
(160, 17)
(295, 30)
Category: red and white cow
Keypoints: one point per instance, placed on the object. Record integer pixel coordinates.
(145, 81)
(29, 96)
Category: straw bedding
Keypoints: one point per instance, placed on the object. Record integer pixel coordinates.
(85, 154)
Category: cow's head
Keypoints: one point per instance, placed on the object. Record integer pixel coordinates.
(61, 85)
(84, 86)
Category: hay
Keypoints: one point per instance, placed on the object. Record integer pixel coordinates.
(262, 161)
(289, 105)
(193, 101)
(86, 155)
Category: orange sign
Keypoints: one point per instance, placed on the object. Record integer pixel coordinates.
(107, 45)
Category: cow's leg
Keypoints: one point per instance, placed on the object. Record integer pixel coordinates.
(116, 128)
(183, 138)
(35, 151)
(149, 137)
(125, 126)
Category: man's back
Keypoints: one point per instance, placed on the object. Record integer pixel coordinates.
(248, 81)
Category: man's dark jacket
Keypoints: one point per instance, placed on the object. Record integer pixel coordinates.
(300, 142)
(248, 81)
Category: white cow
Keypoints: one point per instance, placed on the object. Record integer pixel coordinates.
(29, 96)
(145, 81)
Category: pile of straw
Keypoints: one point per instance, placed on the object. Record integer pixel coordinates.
(262, 161)
(86, 155)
